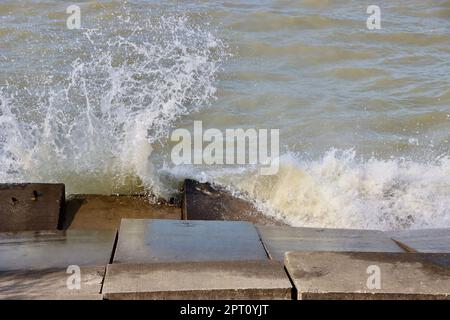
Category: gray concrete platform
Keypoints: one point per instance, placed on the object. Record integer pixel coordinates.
(51, 284)
(145, 241)
(280, 239)
(38, 250)
(424, 240)
(198, 281)
(345, 275)
(31, 206)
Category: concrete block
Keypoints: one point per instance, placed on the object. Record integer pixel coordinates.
(351, 275)
(278, 240)
(51, 284)
(202, 201)
(425, 240)
(55, 249)
(30, 206)
(144, 241)
(105, 212)
(198, 281)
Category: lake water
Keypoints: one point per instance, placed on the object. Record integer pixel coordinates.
(364, 115)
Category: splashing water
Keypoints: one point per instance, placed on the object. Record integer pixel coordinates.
(94, 108)
(342, 191)
(94, 128)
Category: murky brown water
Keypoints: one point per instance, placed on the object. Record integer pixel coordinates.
(364, 115)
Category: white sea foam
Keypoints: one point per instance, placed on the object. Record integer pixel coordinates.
(94, 128)
(94, 125)
(341, 191)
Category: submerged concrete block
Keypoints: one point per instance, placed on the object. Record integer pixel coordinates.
(51, 284)
(55, 249)
(202, 201)
(143, 241)
(369, 275)
(31, 206)
(425, 240)
(279, 240)
(198, 280)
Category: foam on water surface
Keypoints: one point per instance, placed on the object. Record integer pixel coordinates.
(364, 127)
(340, 191)
(93, 127)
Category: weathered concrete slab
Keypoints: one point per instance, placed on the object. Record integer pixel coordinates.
(51, 284)
(201, 201)
(30, 206)
(279, 240)
(144, 241)
(198, 280)
(345, 275)
(425, 240)
(55, 249)
(106, 212)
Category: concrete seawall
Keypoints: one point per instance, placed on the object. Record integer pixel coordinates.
(213, 246)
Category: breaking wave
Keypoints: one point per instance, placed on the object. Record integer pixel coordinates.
(341, 190)
(99, 123)
(94, 127)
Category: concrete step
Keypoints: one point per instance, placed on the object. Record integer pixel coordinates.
(106, 212)
(353, 275)
(202, 201)
(262, 279)
(280, 239)
(51, 284)
(34, 265)
(424, 240)
(31, 206)
(32, 250)
(146, 241)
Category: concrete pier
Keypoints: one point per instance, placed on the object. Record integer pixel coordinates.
(215, 246)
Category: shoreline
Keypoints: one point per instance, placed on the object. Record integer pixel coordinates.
(211, 246)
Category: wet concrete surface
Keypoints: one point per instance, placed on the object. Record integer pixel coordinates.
(144, 241)
(31, 206)
(51, 284)
(279, 240)
(106, 212)
(202, 201)
(34, 250)
(425, 240)
(159, 256)
(352, 275)
(262, 279)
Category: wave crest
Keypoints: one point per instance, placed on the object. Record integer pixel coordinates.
(342, 191)
(93, 127)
